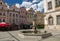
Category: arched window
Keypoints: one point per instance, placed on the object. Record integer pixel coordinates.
(3, 20)
(58, 19)
(50, 20)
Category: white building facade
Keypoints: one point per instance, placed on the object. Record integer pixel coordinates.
(52, 12)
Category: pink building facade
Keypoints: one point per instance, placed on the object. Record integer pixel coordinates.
(23, 15)
(12, 14)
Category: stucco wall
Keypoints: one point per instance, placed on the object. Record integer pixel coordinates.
(55, 26)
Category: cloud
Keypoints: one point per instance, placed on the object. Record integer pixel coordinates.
(17, 5)
(36, 7)
(48, 0)
(7, 5)
(27, 8)
(40, 6)
(36, 1)
(26, 4)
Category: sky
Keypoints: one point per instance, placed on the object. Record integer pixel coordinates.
(37, 5)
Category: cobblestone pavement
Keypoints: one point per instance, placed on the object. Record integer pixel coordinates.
(52, 38)
(18, 36)
(9, 36)
(55, 37)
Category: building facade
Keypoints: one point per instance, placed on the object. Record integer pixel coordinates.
(52, 12)
(30, 13)
(39, 18)
(12, 14)
(3, 12)
(23, 15)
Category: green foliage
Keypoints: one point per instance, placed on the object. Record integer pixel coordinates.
(40, 26)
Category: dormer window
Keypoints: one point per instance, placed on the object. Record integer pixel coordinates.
(13, 9)
(0, 2)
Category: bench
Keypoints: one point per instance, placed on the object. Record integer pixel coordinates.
(46, 35)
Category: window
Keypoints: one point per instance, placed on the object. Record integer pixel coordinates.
(0, 2)
(13, 9)
(0, 20)
(16, 15)
(3, 20)
(50, 5)
(3, 14)
(13, 15)
(57, 3)
(50, 21)
(0, 13)
(10, 14)
(58, 19)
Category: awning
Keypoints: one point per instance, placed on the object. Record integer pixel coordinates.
(3, 24)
